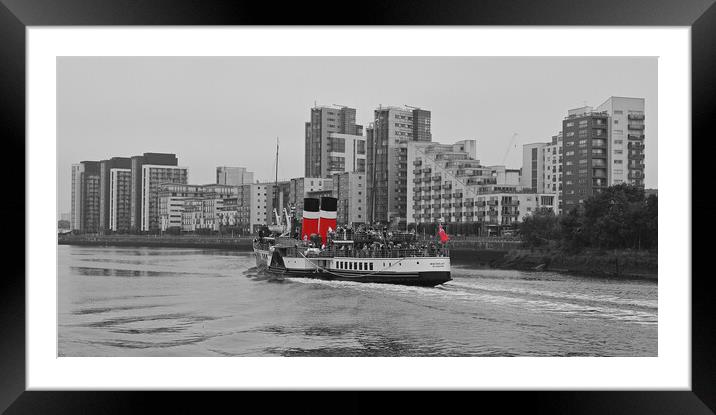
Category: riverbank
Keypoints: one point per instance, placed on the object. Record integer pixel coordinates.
(484, 252)
(241, 243)
(592, 262)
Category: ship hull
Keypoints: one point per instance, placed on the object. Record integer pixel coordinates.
(422, 279)
(419, 271)
(263, 258)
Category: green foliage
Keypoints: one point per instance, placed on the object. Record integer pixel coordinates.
(539, 228)
(618, 217)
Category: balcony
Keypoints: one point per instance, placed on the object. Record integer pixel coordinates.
(417, 181)
(447, 186)
(427, 197)
(635, 136)
(437, 178)
(457, 205)
(457, 194)
(417, 163)
(427, 170)
(636, 175)
(511, 203)
(417, 171)
(468, 214)
(447, 205)
(447, 196)
(635, 116)
(436, 206)
(469, 204)
(436, 187)
(417, 198)
(635, 127)
(635, 146)
(636, 157)
(437, 215)
(491, 203)
(599, 173)
(436, 197)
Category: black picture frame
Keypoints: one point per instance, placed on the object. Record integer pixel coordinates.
(16, 15)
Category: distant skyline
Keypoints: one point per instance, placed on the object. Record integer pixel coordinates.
(228, 111)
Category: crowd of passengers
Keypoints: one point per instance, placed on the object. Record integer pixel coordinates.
(372, 243)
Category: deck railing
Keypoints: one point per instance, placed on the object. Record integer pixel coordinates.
(371, 253)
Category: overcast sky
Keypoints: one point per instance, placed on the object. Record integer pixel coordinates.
(216, 111)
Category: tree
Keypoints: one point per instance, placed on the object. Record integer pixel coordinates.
(539, 228)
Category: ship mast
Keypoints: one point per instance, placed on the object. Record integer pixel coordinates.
(275, 184)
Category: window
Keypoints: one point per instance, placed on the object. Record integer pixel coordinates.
(618, 162)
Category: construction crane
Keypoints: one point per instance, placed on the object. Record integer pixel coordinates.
(509, 147)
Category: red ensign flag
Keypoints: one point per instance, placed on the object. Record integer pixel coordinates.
(443, 235)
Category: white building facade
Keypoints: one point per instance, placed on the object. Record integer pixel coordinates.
(152, 177)
(120, 186)
(626, 140)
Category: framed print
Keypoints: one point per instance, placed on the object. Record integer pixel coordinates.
(464, 200)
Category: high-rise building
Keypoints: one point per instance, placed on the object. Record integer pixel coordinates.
(586, 153)
(76, 198)
(332, 135)
(163, 159)
(152, 176)
(86, 196)
(120, 187)
(234, 176)
(105, 167)
(388, 137)
(626, 140)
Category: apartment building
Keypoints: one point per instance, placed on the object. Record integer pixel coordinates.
(333, 142)
(120, 188)
(152, 177)
(387, 139)
(449, 185)
(585, 155)
(626, 140)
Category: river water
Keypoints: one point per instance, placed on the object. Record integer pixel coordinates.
(194, 302)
